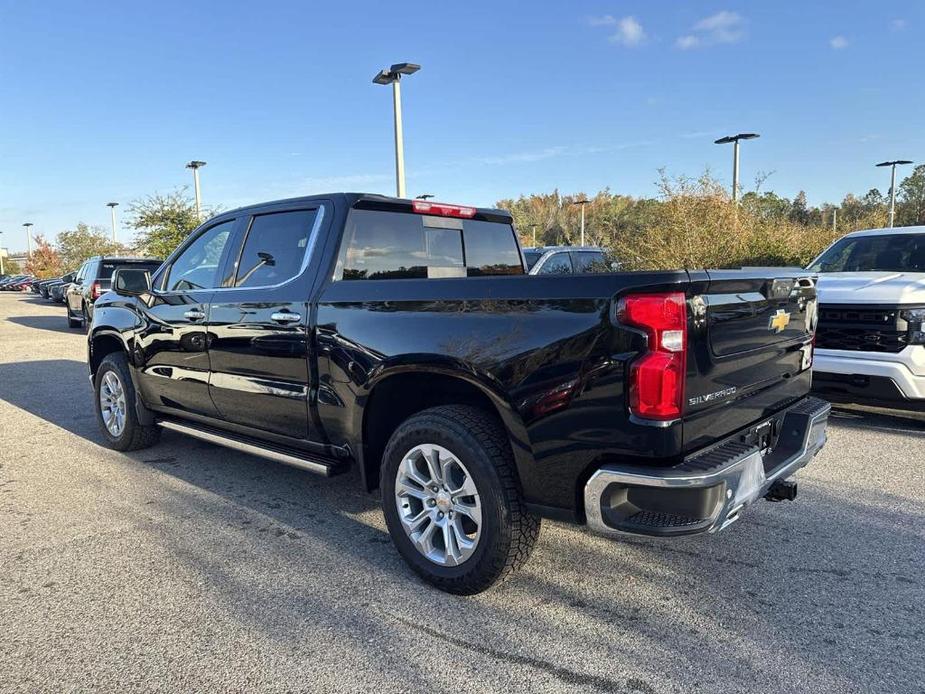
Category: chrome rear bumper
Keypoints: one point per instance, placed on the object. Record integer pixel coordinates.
(710, 488)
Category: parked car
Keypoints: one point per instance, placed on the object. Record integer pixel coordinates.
(18, 283)
(871, 334)
(8, 280)
(56, 291)
(92, 280)
(405, 339)
(44, 286)
(559, 260)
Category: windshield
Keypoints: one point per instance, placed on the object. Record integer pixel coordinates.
(531, 257)
(883, 253)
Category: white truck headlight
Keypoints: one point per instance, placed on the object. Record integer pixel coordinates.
(915, 317)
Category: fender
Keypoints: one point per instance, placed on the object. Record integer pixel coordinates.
(121, 323)
(441, 365)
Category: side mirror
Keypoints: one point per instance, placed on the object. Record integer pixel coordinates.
(128, 281)
(78, 280)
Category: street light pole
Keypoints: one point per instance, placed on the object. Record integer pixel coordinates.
(393, 76)
(893, 165)
(734, 139)
(195, 166)
(1, 258)
(28, 226)
(112, 208)
(582, 203)
(534, 234)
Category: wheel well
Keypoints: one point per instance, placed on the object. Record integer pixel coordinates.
(100, 347)
(398, 397)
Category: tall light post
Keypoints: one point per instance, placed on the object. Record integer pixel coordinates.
(582, 203)
(112, 208)
(2, 272)
(29, 226)
(393, 76)
(195, 166)
(735, 157)
(893, 165)
(533, 227)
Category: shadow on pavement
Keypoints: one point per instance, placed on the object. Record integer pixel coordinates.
(56, 324)
(821, 593)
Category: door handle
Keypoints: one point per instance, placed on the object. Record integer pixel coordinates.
(285, 317)
(194, 314)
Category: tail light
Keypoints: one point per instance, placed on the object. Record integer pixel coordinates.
(656, 387)
(442, 209)
(96, 291)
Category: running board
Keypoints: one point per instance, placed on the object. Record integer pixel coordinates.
(239, 444)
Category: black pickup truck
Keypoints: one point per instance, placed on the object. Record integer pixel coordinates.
(405, 339)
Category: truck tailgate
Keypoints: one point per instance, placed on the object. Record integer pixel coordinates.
(750, 348)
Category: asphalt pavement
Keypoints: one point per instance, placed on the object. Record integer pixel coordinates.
(189, 567)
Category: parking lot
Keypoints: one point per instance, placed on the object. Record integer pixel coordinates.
(191, 567)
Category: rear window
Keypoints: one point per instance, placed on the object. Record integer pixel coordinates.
(106, 267)
(396, 245)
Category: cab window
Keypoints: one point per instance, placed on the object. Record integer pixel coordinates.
(197, 267)
(275, 248)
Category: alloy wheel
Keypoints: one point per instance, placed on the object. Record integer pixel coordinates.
(112, 403)
(438, 504)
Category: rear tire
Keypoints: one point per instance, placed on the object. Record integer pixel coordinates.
(117, 419)
(71, 321)
(473, 457)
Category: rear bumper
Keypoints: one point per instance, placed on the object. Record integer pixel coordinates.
(707, 491)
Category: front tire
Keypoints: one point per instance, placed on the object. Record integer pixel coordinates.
(451, 502)
(114, 400)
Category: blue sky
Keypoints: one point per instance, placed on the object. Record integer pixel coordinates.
(107, 101)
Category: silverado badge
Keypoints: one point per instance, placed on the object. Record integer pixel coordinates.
(779, 321)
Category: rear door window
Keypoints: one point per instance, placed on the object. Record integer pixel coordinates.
(588, 261)
(275, 248)
(397, 245)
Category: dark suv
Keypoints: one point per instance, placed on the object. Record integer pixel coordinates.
(92, 281)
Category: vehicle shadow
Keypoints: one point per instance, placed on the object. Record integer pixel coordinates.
(822, 594)
(56, 324)
(859, 417)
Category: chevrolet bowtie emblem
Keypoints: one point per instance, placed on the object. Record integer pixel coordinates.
(779, 321)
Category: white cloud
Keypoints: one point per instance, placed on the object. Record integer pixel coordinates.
(629, 32)
(603, 21)
(898, 24)
(838, 42)
(722, 27)
(524, 157)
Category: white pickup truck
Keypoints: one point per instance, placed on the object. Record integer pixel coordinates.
(870, 340)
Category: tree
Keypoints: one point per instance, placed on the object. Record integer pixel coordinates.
(45, 261)
(11, 267)
(799, 210)
(162, 221)
(911, 197)
(76, 245)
